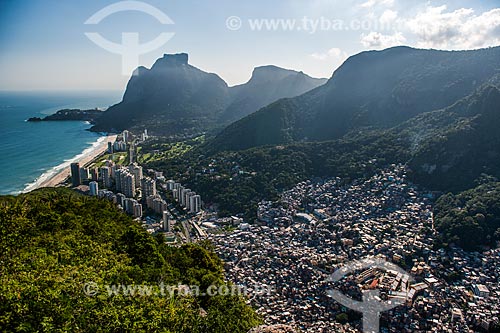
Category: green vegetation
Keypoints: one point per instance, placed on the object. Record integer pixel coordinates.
(120, 158)
(53, 242)
(157, 149)
(472, 218)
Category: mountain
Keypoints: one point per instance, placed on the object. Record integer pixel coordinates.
(267, 85)
(454, 156)
(447, 150)
(172, 97)
(375, 89)
(176, 98)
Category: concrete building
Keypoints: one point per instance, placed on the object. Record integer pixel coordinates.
(481, 290)
(148, 187)
(75, 174)
(131, 153)
(166, 222)
(94, 188)
(106, 176)
(182, 196)
(84, 174)
(119, 146)
(170, 185)
(132, 207)
(137, 210)
(125, 183)
(128, 184)
(94, 174)
(177, 192)
(120, 199)
(127, 136)
(195, 204)
(136, 170)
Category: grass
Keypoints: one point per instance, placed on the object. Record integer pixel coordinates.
(120, 158)
(162, 151)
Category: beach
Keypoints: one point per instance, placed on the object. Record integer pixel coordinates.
(59, 174)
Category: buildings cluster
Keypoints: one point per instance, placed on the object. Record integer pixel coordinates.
(185, 197)
(319, 227)
(129, 187)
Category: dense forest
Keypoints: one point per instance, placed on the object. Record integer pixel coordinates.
(472, 218)
(53, 242)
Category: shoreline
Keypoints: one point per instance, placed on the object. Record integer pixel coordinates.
(57, 175)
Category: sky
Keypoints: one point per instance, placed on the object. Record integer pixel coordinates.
(44, 46)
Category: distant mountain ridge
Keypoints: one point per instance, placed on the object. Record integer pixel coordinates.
(174, 97)
(379, 89)
(267, 84)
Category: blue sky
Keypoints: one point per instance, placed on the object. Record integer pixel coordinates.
(44, 47)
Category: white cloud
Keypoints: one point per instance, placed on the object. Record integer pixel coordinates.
(332, 54)
(376, 40)
(459, 29)
(388, 17)
(373, 3)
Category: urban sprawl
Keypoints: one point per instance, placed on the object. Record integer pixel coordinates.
(285, 258)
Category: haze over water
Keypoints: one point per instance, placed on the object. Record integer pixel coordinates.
(32, 149)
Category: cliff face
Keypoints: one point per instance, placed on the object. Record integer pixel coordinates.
(174, 97)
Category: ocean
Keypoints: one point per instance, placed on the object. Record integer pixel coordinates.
(31, 151)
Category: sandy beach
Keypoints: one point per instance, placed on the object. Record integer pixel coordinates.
(59, 174)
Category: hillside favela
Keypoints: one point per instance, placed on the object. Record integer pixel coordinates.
(250, 166)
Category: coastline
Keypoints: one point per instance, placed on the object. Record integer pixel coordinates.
(60, 173)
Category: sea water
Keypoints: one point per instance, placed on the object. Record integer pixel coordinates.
(32, 151)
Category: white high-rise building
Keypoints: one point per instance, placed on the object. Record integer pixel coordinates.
(148, 187)
(170, 185)
(188, 196)
(195, 204)
(128, 184)
(166, 222)
(127, 136)
(136, 170)
(94, 188)
(132, 207)
(178, 192)
(131, 153)
(137, 210)
(84, 174)
(120, 146)
(183, 195)
(120, 199)
(125, 183)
